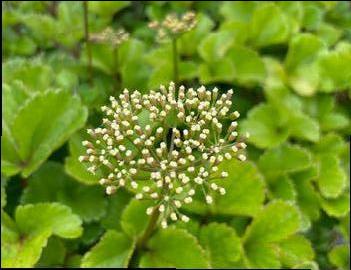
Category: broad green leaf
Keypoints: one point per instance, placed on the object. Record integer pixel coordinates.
(243, 179)
(115, 207)
(265, 131)
(219, 71)
(249, 67)
(107, 8)
(215, 45)
(313, 16)
(340, 256)
(237, 29)
(285, 158)
(332, 178)
(301, 64)
(41, 126)
(91, 234)
(221, 244)
(174, 248)
(283, 188)
(295, 250)
(262, 255)
(113, 250)
(269, 25)
(50, 183)
(302, 126)
(33, 218)
(329, 33)
(73, 166)
(238, 11)
(53, 254)
(277, 221)
(335, 68)
(24, 239)
(331, 144)
(338, 207)
(334, 121)
(134, 219)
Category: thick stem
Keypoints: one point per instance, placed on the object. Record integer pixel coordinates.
(87, 42)
(140, 245)
(175, 61)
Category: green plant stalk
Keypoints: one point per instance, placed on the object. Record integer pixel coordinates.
(87, 42)
(175, 61)
(116, 73)
(141, 242)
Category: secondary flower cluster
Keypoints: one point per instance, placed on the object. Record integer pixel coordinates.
(173, 25)
(108, 35)
(166, 146)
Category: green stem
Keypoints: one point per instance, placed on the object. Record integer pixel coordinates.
(87, 42)
(116, 68)
(140, 245)
(175, 61)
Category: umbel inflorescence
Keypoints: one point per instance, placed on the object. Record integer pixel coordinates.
(108, 35)
(173, 25)
(166, 146)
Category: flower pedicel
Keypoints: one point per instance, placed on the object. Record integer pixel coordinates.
(168, 165)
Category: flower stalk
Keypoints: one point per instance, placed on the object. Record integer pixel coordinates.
(87, 42)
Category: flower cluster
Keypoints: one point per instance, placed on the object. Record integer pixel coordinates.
(166, 146)
(173, 26)
(108, 35)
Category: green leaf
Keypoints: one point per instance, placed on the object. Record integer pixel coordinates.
(283, 159)
(215, 45)
(243, 179)
(219, 71)
(3, 192)
(269, 25)
(295, 250)
(23, 240)
(334, 121)
(50, 183)
(221, 243)
(33, 218)
(283, 188)
(313, 16)
(304, 127)
(265, 131)
(174, 248)
(238, 11)
(113, 250)
(73, 166)
(301, 64)
(249, 67)
(53, 254)
(332, 178)
(338, 207)
(340, 256)
(107, 8)
(262, 255)
(277, 221)
(134, 219)
(41, 126)
(331, 144)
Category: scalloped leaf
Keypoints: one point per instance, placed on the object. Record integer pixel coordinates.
(50, 183)
(113, 250)
(215, 45)
(174, 248)
(41, 126)
(24, 239)
(243, 179)
(221, 243)
(277, 221)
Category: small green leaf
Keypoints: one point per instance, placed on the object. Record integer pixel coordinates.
(340, 256)
(338, 207)
(134, 219)
(265, 131)
(285, 158)
(113, 250)
(243, 178)
(174, 248)
(238, 11)
(332, 178)
(50, 183)
(218, 71)
(304, 127)
(215, 45)
(283, 188)
(295, 250)
(269, 25)
(330, 144)
(277, 221)
(107, 8)
(53, 254)
(221, 243)
(334, 121)
(262, 255)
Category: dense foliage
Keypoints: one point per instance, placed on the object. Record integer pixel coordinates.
(289, 64)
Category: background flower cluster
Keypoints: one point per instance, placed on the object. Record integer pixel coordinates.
(289, 66)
